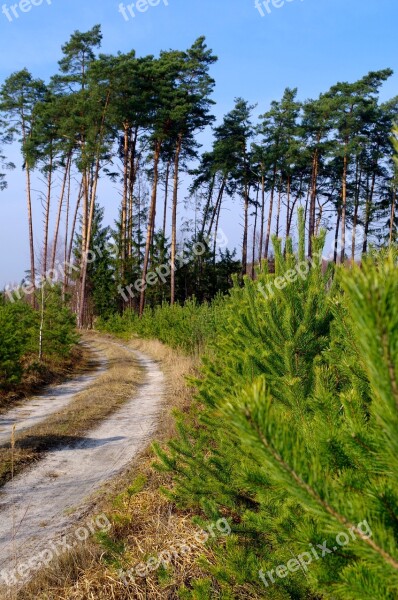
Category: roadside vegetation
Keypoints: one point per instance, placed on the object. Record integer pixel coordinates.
(290, 436)
(188, 328)
(36, 347)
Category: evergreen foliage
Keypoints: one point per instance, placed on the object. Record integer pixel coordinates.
(20, 337)
(293, 436)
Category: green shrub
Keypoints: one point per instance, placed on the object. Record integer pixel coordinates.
(189, 327)
(19, 336)
(18, 322)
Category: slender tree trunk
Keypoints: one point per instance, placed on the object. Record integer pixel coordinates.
(30, 219)
(47, 215)
(65, 283)
(94, 184)
(260, 252)
(216, 232)
(336, 235)
(245, 230)
(166, 193)
(59, 212)
(74, 222)
(207, 207)
(278, 213)
(368, 212)
(31, 238)
(289, 227)
(151, 224)
(133, 169)
(358, 178)
(271, 206)
(83, 270)
(314, 190)
(174, 220)
(344, 207)
(254, 232)
(123, 224)
(217, 206)
(288, 205)
(85, 197)
(392, 218)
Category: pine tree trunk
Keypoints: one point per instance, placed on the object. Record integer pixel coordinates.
(358, 179)
(174, 219)
(207, 207)
(336, 236)
(392, 218)
(74, 222)
(245, 230)
(65, 282)
(166, 193)
(254, 232)
(31, 239)
(314, 185)
(260, 252)
(271, 206)
(30, 220)
(293, 207)
(278, 213)
(368, 212)
(288, 205)
(47, 216)
(344, 207)
(216, 207)
(94, 184)
(123, 228)
(151, 224)
(133, 169)
(215, 233)
(83, 270)
(85, 197)
(59, 212)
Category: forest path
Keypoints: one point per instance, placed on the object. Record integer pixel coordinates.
(39, 507)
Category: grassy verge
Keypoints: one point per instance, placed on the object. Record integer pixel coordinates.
(85, 412)
(144, 522)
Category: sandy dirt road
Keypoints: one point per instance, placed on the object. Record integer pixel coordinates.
(41, 506)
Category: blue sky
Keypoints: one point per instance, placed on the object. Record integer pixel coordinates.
(309, 44)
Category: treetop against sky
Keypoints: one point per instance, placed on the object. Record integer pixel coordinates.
(263, 47)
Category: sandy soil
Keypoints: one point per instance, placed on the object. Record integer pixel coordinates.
(41, 506)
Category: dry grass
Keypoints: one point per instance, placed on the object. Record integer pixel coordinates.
(85, 412)
(145, 522)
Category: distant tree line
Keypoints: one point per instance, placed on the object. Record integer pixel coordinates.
(135, 120)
